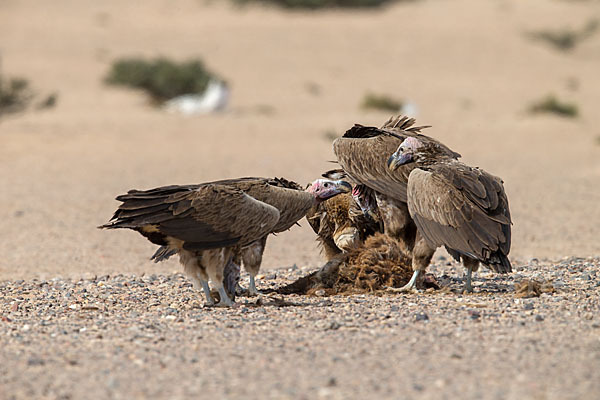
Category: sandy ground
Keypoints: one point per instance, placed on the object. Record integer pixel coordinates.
(467, 65)
(125, 337)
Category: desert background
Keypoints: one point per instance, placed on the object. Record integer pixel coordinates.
(470, 68)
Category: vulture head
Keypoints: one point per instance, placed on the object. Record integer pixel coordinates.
(408, 151)
(323, 189)
(365, 199)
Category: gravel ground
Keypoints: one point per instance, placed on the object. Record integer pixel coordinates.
(128, 336)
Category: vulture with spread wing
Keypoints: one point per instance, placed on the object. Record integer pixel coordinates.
(363, 153)
(345, 221)
(208, 224)
(462, 208)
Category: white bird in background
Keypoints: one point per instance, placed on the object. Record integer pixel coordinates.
(214, 98)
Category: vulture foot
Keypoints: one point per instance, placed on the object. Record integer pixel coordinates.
(252, 291)
(225, 301)
(410, 287)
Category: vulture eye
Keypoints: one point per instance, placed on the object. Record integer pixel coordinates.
(327, 184)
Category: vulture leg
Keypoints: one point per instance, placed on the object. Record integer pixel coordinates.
(472, 265)
(194, 270)
(206, 289)
(252, 258)
(421, 257)
(397, 222)
(214, 262)
(252, 291)
(412, 284)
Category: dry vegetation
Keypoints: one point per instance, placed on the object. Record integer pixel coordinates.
(381, 102)
(566, 39)
(552, 105)
(161, 78)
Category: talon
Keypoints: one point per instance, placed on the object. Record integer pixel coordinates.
(410, 287)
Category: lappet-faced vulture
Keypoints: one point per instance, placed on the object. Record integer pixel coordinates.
(208, 224)
(345, 221)
(462, 208)
(363, 153)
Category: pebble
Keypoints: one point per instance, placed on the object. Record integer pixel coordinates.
(421, 317)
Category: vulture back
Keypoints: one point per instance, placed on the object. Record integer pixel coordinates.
(463, 208)
(363, 153)
(204, 216)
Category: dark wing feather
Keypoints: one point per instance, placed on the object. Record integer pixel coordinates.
(464, 209)
(202, 216)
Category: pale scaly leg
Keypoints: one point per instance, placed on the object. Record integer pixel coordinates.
(209, 300)
(410, 286)
(468, 287)
(252, 291)
(225, 300)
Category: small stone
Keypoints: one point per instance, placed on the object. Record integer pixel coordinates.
(35, 361)
(320, 293)
(528, 306)
(421, 317)
(474, 314)
(558, 284)
(539, 318)
(334, 326)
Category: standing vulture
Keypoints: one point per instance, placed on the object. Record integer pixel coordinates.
(208, 224)
(363, 153)
(462, 208)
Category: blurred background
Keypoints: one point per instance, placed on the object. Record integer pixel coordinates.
(511, 85)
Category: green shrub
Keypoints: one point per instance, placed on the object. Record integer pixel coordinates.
(552, 105)
(315, 4)
(15, 95)
(161, 78)
(381, 102)
(566, 39)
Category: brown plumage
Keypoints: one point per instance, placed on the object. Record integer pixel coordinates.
(379, 262)
(457, 206)
(363, 153)
(208, 224)
(340, 224)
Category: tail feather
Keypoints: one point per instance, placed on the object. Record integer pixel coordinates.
(162, 253)
(499, 262)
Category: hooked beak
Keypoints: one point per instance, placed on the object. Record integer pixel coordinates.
(396, 160)
(343, 186)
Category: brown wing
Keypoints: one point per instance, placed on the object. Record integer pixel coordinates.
(287, 196)
(464, 209)
(292, 202)
(202, 216)
(363, 153)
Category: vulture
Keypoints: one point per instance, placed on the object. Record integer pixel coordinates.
(345, 221)
(363, 153)
(210, 225)
(457, 206)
